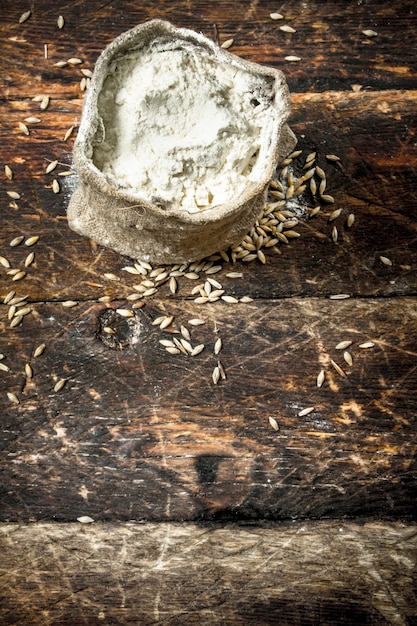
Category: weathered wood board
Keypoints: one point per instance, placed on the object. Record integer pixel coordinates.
(324, 573)
(139, 434)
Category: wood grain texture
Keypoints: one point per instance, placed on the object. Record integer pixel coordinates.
(328, 573)
(137, 434)
(375, 180)
(335, 53)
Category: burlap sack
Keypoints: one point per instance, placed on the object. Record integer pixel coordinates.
(120, 219)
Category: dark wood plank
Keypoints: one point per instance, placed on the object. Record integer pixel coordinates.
(137, 433)
(298, 575)
(376, 180)
(328, 38)
(195, 450)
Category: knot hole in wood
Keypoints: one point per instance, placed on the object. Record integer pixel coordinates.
(118, 332)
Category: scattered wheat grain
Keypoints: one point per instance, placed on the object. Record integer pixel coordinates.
(328, 199)
(68, 133)
(59, 384)
(32, 240)
(16, 321)
(335, 214)
(39, 350)
(287, 29)
(216, 375)
(25, 16)
(227, 44)
(125, 312)
(306, 411)
(338, 368)
(13, 397)
(14, 195)
(28, 371)
(320, 378)
(19, 276)
(348, 357)
(23, 128)
(342, 345)
(273, 422)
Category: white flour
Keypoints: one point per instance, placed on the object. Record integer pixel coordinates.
(181, 129)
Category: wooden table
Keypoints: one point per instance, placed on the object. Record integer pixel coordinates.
(215, 503)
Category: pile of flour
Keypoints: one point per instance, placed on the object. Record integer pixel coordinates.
(180, 128)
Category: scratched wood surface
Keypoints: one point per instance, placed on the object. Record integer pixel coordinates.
(139, 434)
(320, 573)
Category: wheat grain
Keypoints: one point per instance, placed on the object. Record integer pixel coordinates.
(39, 350)
(185, 333)
(328, 199)
(24, 17)
(8, 172)
(23, 128)
(196, 321)
(306, 411)
(167, 343)
(338, 368)
(273, 422)
(218, 345)
(173, 350)
(367, 344)
(19, 275)
(68, 133)
(44, 103)
(166, 321)
(227, 44)
(60, 21)
(28, 371)
(59, 384)
(14, 195)
(125, 312)
(348, 357)
(13, 397)
(287, 29)
(342, 345)
(350, 220)
(335, 214)
(16, 321)
(320, 378)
